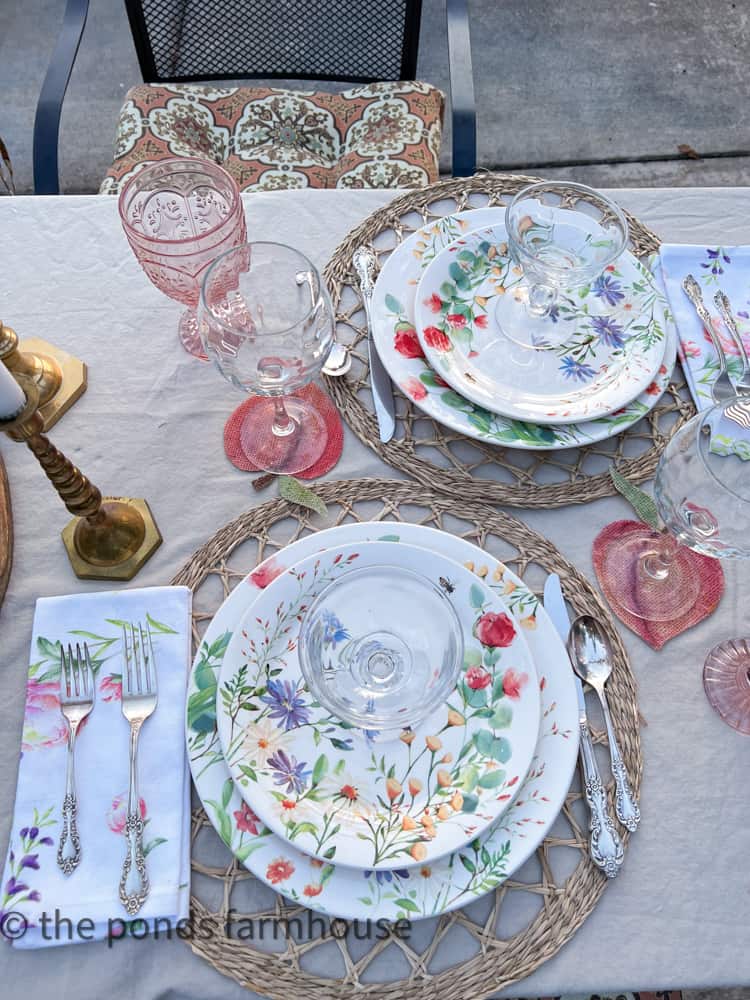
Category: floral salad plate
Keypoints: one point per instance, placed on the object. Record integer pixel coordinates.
(415, 890)
(612, 354)
(399, 347)
(331, 788)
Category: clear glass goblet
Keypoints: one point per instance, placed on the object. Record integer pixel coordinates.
(267, 323)
(562, 236)
(402, 653)
(179, 214)
(702, 493)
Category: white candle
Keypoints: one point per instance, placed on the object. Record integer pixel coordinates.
(12, 398)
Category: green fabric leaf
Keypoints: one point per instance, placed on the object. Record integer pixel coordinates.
(291, 489)
(641, 502)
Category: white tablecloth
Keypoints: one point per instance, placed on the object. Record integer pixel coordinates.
(150, 425)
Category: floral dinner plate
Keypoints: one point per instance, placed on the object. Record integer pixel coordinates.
(417, 891)
(329, 787)
(613, 353)
(402, 354)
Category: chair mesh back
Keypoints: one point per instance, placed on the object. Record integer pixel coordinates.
(291, 39)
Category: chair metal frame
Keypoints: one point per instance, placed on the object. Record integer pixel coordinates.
(49, 106)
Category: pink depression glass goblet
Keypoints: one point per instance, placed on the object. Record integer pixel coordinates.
(267, 323)
(702, 493)
(179, 215)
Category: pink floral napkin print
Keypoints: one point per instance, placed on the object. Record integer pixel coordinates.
(32, 884)
(715, 268)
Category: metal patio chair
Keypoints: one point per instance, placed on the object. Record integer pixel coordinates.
(180, 41)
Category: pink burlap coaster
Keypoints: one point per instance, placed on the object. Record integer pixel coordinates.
(322, 403)
(657, 633)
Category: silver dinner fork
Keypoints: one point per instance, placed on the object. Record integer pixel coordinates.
(77, 693)
(139, 696)
(722, 388)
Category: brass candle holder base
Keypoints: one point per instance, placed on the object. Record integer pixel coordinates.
(108, 539)
(115, 542)
(60, 377)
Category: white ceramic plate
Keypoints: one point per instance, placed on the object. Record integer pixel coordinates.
(398, 345)
(322, 784)
(613, 353)
(415, 892)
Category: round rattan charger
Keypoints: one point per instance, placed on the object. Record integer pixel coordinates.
(515, 928)
(434, 454)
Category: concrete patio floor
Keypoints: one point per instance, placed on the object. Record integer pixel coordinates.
(604, 93)
(600, 92)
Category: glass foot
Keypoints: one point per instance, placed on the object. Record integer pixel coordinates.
(663, 594)
(521, 326)
(726, 681)
(294, 451)
(189, 335)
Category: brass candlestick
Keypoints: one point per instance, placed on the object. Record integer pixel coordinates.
(109, 538)
(59, 377)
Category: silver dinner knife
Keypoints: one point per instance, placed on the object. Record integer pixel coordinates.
(380, 383)
(605, 844)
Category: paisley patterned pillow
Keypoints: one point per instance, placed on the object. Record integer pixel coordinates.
(379, 135)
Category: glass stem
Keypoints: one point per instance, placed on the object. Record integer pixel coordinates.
(283, 425)
(657, 564)
(541, 299)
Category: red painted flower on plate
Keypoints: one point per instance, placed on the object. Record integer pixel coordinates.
(477, 678)
(437, 339)
(495, 629)
(414, 388)
(407, 343)
(514, 683)
(279, 871)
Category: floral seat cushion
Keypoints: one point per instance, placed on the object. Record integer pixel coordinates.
(379, 135)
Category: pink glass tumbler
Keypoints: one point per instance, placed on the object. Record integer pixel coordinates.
(179, 215)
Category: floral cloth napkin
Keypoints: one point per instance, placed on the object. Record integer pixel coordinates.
(728, 269)
(49, 907)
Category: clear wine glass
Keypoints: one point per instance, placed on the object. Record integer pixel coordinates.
(267, 323)
(562, 237)
(179, 214)
(702, 493)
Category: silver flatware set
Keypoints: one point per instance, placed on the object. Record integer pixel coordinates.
(723, 387)
(139, 700)
(591, 660)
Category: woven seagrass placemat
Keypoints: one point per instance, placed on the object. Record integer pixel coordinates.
(439, 457)
(503, 936)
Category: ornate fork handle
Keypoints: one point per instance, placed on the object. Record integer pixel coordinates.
(722, 387)
(69, 846)
(606, 847)
(135, 859)
(626, 807)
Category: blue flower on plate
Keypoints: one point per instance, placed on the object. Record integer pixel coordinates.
(609, 332)
(576, 370)
(288, 771)
(607, 288)
(387, 876)
(333, 630)
(287, 704)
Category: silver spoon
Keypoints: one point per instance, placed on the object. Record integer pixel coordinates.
(339, 360)
(593, 663)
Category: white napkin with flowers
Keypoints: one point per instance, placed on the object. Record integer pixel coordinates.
(715, 268)
(33, 887)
